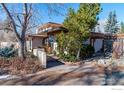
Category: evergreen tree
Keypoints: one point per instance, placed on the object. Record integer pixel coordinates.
(112, 23)
(79, 24)
(122, 27)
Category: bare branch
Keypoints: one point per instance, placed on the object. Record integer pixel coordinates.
(25, 9)
(32, 27)
(18, 25)
(19, 19)
(29, 13)
(6, 28)
(30, 8)
(25, 20)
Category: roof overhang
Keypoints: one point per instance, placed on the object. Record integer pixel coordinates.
(38, 36)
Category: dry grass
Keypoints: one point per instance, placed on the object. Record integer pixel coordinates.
(17, 67)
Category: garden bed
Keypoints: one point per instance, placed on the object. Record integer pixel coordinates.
(15, 66)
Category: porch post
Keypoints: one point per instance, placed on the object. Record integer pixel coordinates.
(31, 41)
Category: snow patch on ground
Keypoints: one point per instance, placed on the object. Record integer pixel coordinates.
(7, 77)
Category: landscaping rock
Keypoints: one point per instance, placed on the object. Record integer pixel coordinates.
(101, 61)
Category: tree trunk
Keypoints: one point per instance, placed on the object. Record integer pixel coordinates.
(78, 53)
(25, 46)
(21, 50)
(23, 24)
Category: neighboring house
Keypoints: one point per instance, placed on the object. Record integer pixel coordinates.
(8, 44)
(45, 37)
(7, 39)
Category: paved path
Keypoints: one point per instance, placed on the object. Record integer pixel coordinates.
(85, 74)
(52, 62)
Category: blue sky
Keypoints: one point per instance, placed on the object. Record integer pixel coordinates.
(56, 18)
(118, 7)
(48, 17)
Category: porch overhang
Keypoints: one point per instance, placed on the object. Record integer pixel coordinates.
(39, 36)
(30, 37)
(96, 35)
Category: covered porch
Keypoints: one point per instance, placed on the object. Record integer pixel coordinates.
(40, 41)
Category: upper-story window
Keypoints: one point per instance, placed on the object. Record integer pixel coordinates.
(44, 30)
(51, 38)
(50, 28)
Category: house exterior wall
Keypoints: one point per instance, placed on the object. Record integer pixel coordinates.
(51, 30)
(29, 45)
(98, 44)
(33, 44)
(36, 42)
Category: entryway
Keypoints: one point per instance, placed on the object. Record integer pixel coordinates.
(52, 62)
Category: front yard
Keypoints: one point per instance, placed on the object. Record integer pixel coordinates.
(62, 75)
(96, 70)
(11, 64)
(88, 73)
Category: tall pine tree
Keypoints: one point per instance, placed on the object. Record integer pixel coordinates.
(122, 27)
(112, 23)
(79, 24)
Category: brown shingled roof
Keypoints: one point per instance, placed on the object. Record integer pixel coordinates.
(42, 35)
(49, 24)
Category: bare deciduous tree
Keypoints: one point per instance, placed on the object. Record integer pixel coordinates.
(27, 9)
(22, 21)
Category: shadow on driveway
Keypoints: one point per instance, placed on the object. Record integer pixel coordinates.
(52, 62)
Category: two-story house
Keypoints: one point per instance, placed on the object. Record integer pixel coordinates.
(45, 37)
